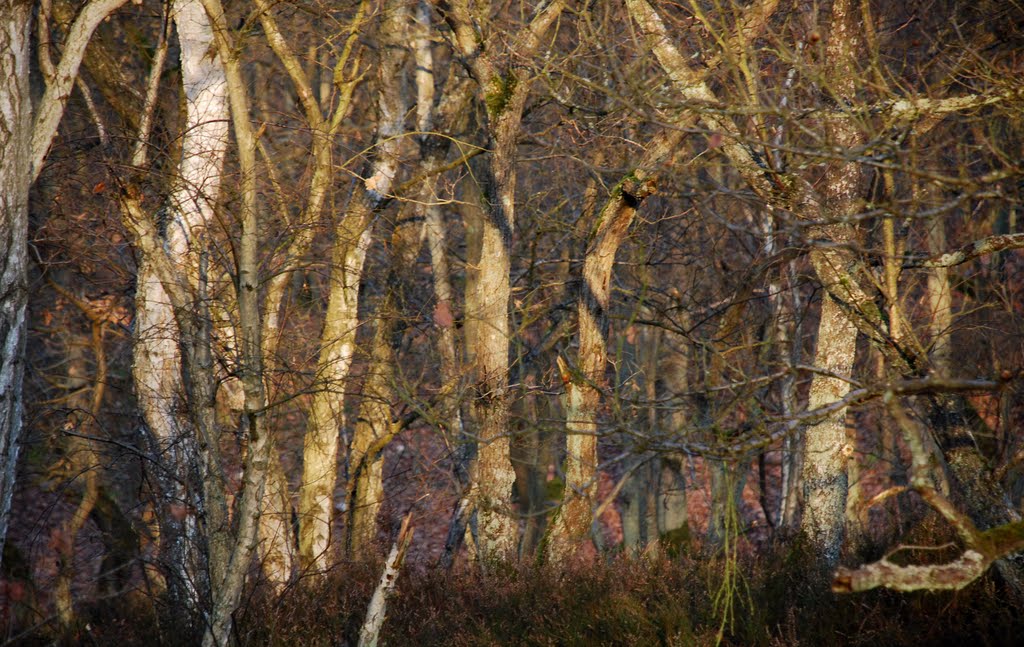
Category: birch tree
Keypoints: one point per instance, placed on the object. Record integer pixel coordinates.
(157, 366)
(24, 142)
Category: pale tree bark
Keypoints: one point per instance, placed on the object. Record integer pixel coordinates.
(157, 365)
(58, 89)
(352, 238)
(585, 381)
(374, 429)
(369, 633)
(230, 562)
(503, 88)
(375, 426)
(24, 142)
(15, 169)
(940, 301)
(826, 452)
(277, 553)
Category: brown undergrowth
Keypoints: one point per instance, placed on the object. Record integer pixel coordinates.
(783, 600)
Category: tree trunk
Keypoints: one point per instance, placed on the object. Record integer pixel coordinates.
(504, 94)
(277, 544)
(585, 382)
(826, 451)
(320, 447)
(157, 357)
(15, 169)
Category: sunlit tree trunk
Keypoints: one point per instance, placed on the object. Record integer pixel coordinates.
(503, 90)
(158, 360)
(585, 381)
(826, 450)
(940, 301)
(352, 239)
(324, 120)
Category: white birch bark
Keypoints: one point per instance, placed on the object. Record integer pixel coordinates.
(58, 89)
(15, 168)
(157, 360)
(24, 142)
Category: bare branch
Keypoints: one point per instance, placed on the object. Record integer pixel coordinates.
(51, 106)
(970, 251)
(883, 573)
(983, 548)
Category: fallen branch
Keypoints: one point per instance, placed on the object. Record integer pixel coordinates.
(982, 547)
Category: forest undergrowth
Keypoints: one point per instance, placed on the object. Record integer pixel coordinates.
(781, 599)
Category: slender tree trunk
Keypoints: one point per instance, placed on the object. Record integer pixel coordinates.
(374, 425)
(326, 413)
(15, 168)
(584, 383)
(793, 444)
(320, 447)
(158, 359)
(940, 301)
(233, 546)
(276, 534)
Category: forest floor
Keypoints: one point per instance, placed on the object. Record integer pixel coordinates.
(765, 592)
